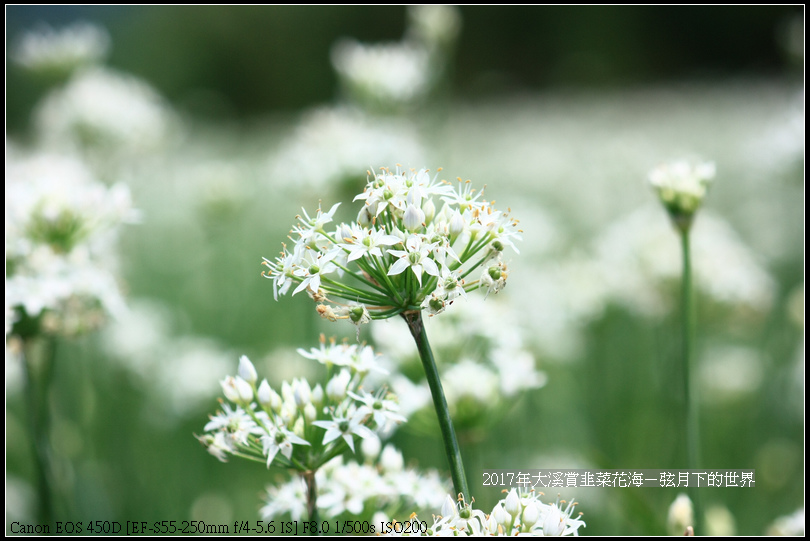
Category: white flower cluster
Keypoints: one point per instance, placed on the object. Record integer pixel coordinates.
(403, 253)
(47, 50)
(395, 72)
(380, 485)
(101, 109)
(262, 424)
(520, 513)
(334, 145)
(637, 258)
(681, 186)
(61, 225)
(392, 75)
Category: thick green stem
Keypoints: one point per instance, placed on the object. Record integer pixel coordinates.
(690, 406)
(416, 325)
(38, 363)
(312, 496)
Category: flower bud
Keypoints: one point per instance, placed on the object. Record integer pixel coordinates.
(310, 413)
(264, 394)
(336, 388)
(531, 514)
(512, 503)
(246, 370)
(301, 392)
(317, 395)
(298, 427)
(430, 210)
(502, 517)
(414, 218)
(456, 224)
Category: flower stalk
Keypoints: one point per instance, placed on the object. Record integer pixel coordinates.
(681, 188)
(38, 373)
(690, 405)
(451, 449)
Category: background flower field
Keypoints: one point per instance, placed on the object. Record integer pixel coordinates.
(222, 123)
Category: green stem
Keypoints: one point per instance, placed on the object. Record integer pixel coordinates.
(38, 372)
(416, 325)
(690, 406)
(312, 495)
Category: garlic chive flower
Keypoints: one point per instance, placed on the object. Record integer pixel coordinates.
(520, 513)
(303, 426)
(681, 187)
(415, 245)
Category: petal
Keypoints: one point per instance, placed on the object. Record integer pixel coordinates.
(430, 267)
(349, 440)
(398, 267)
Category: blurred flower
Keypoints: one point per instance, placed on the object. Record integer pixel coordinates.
(729, 372)
(351, 489)
(638, 255)
(680, 515)
(484, 361)
(433, 26)
(45, 50)
(336, 145)
(681, 187)
(520, 513)
(104, 112)
(61, 228)
(720, 522)
(384, 74)
(792, 524)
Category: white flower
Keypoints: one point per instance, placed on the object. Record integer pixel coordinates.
(313, 266)
(368, 241)
(681, 185)
(383, 411)
(346, 428)
(46, 49)
(416, 257)
(390, 72)
(280, 439)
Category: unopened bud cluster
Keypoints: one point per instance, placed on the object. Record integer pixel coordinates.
(681, 187)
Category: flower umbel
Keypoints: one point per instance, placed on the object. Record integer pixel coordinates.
(415, 242)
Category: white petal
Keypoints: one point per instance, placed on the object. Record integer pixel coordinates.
(430, 267)
(398, 267)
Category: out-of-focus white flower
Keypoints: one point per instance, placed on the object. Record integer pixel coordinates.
(433, 26)
(351, 488)
(389, 73)
(729, 372)
(102, 110)
(45, 49)
(792, 524)
(720, 522)
(638, 256)
(681, 515)
(681, 187)
(333, 145)
(61, 227)
(519, 513)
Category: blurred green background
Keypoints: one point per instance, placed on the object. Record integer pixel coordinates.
(561, 112)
